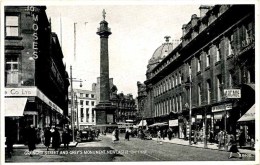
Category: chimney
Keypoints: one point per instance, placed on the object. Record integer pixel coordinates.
(194, 20)
(203, 10)
(184, 29)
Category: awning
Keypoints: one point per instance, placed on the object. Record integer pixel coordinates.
(159, 124)
(249, 115)
(15, 106)
(142, 123)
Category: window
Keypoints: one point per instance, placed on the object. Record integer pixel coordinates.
(208, 58)
(173, 104)
(176, 78)
(87, 102)
(198, 64)
(230, 77)
(180, 103)
(189, 67)
(93, 115)
(218, 56)
(251, 76)
(81, 95)
(177, 104)
(87, 95)
(87, 114)
(230, 48)
(167, 87)
(219, 84)
(11, 68)
(81, 114)
(92, 96)
(11, 28)
(81, 102)
(200, 94)
(92, 103)
(208, 91)
(180, 77)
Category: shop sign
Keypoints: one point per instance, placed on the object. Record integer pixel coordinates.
(208, 116)
(199, 116)
(232, 93)
(20, 91)
(222, 107)
(173, 122)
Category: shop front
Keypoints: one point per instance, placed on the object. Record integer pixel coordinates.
(28, 106)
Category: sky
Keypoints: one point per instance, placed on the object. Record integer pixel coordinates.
(137, 31)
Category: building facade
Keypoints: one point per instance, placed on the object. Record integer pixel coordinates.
(36, 82)
(217, 52)
(84, 104)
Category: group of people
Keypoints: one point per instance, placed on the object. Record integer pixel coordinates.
(51, 136)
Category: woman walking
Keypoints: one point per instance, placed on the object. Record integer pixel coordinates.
(56, 139)
(66, 138)
(233, 148)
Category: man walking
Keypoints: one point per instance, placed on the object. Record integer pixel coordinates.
(31, 138)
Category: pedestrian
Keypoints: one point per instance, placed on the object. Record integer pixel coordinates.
(66, 138)
(169, 133)
(159, 136)
(233, 148)
(127, 135)
(242, 139)
(42, 136)
(211, 137)
(31, 138)
(117, 135)
(47, 137)
(220, 139)
(56, 139)
(38, 135)
(114, 136)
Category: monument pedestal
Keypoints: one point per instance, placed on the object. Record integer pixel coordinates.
(105, 113)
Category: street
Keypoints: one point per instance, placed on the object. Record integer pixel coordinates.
(134, 150)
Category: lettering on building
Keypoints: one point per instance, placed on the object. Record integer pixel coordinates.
(35, 28)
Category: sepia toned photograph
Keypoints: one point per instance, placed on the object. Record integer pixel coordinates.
(129, 82)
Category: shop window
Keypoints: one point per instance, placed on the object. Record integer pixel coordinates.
(12, 28)
(11, 68)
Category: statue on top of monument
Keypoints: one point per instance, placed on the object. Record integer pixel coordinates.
(104, 14)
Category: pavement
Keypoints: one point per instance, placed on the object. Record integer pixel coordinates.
(22, 146)
(212, 146)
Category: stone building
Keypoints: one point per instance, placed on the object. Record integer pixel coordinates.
(217, 52)
(84, 102)
(36, 82)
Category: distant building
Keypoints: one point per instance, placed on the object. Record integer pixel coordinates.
(217, 52)
(125, 104)
(36, 81)
(84, 103)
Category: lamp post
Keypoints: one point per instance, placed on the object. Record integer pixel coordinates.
(72, 105)
(190, 114)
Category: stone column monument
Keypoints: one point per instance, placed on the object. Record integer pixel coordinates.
(105, 111)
